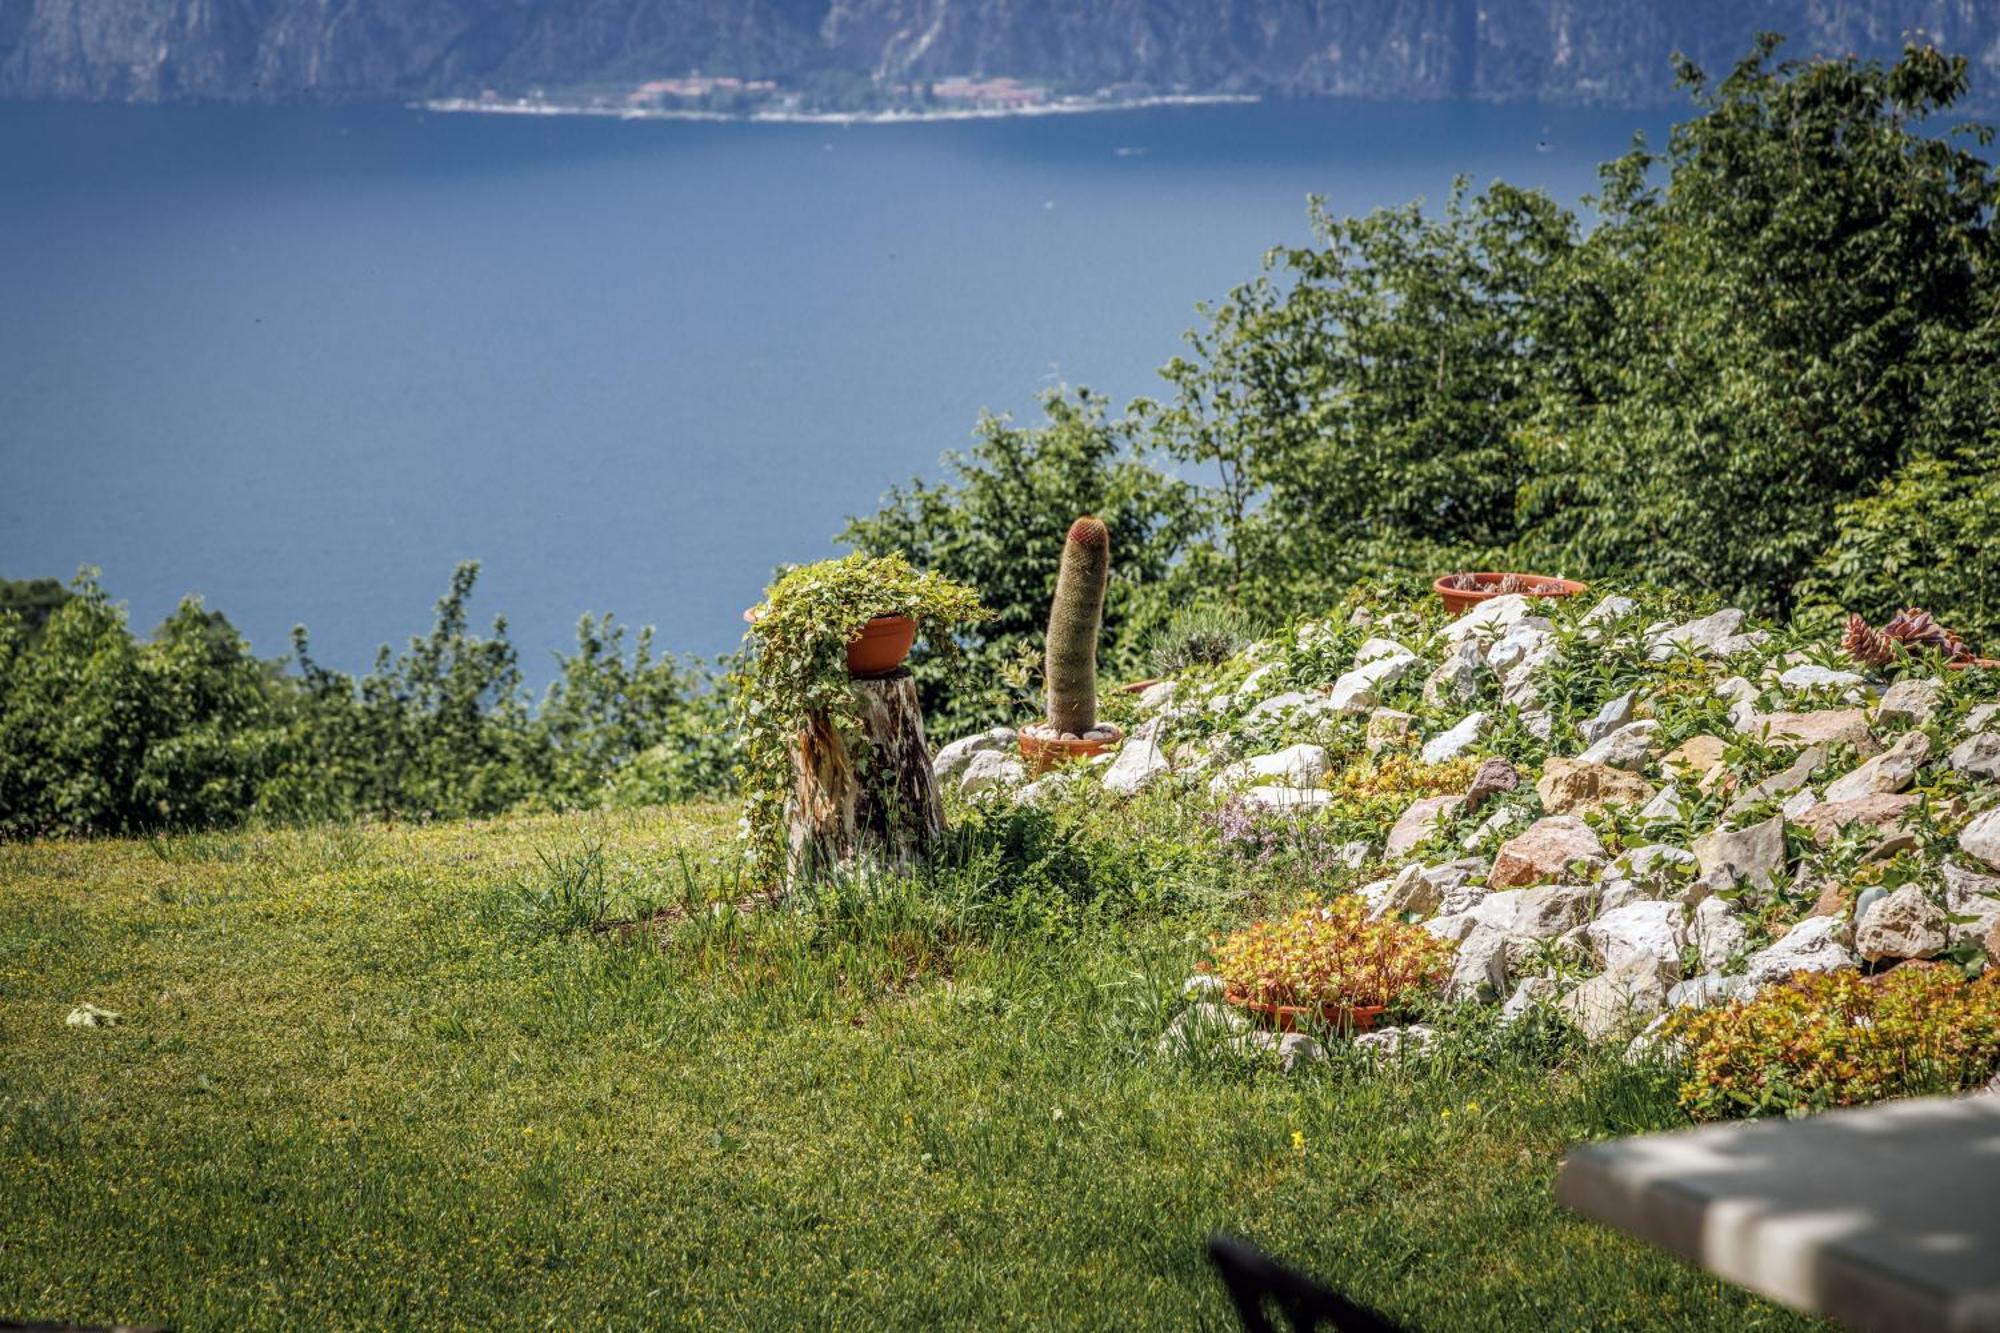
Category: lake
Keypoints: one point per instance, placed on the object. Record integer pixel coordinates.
(302, 361)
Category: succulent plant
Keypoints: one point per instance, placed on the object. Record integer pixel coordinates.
(1910, 627)
(1078, 610)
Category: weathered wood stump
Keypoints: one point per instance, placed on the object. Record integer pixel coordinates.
(865, 795)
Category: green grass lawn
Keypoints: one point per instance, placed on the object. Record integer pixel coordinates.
(391, 1078)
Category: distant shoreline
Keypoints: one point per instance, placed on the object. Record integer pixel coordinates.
(477, 106)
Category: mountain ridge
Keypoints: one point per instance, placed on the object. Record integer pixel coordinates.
(1559, 50)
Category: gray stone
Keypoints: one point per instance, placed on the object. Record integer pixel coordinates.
(1449, 745)
(1520, 650)
(1294, 766)
(1904, 924)
(1617, 1001)
(1883, 812)
(1741, 856)
(1982, 717)
(1978, 756)
(1609, 718)
(1611, 608)
(1665, 806)
(953, 758)
(1546, 912)
(1910, 700)
(1629, 747)
(1813, 945)
(1887, 773)
(1980, 839)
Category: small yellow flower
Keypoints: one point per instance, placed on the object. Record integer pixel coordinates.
(1445, 1114)
(527, 1130)
(1472, 1108)
(1298, 1141)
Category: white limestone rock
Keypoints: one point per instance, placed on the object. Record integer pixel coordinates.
(1973, 900)
(1657, 869)
(1273, 797)
(1449, 745)
(1459, 679)
(1912, 699)
(1617, 1001)
(1379, 664)
(1630, 747)
(1138, 764)
(990, 769)
(1808, 677)
(1292, 704)
(1609, 718)
(952, 759)
(1644, 929)
(1813, 945)
(1490, 618)
(1977, 756)
(1887, 773)
(1701, 635)
(1299, 765)
(1743, 856)
(1718, 932)
(1980, 839)
(1903, 924)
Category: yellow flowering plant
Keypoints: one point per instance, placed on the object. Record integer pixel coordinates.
(1329, 954)
(1831, 1039)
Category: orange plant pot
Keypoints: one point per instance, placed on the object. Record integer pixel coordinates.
(1043, 753)
(882, 646)
(885, 641)
(1289, 1017)
(1460, 600)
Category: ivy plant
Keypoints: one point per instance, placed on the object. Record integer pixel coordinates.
(795, 670)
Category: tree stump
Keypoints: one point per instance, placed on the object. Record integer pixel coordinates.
(866, 795)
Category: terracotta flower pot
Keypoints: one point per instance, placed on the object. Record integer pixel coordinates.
(1289, 1017)
(1042, 753)
(883, 644)
(1460, 600)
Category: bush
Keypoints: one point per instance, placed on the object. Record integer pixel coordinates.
(1832, 1039)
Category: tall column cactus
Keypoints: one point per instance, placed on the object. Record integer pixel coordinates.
(1071, 664)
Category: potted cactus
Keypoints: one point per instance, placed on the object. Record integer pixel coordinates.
(1071, 729)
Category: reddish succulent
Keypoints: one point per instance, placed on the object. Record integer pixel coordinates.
(1910, 627)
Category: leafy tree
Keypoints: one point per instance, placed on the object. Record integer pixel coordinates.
(33, 600)
(997, 523)
(1778, 317)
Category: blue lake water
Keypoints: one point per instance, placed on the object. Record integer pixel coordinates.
(302, 361)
